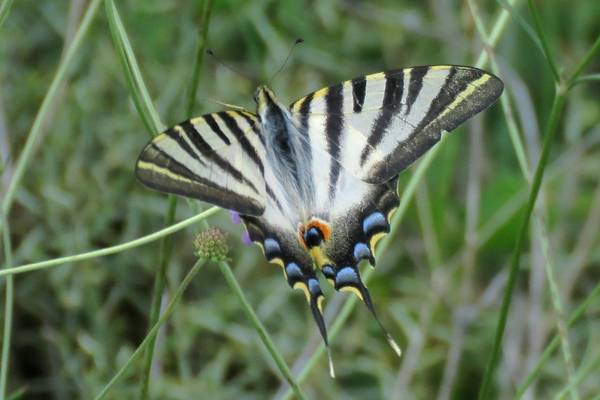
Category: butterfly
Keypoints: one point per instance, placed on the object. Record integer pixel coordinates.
(316, 182)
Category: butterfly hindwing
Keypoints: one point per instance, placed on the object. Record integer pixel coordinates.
(384, 122)
(218, 158)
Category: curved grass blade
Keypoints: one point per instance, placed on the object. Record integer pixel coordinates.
(57, 81)
(4, 10)
(113, 249)
(137, 88)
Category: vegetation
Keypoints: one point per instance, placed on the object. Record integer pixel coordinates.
(490, 280)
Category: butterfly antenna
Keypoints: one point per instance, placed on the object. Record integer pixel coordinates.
(393, 344)
(283, 64)
(245, 75)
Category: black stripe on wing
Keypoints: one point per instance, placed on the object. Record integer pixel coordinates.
(390, 106)
(210, 120)
(334, 100)
(173, 134)
(359, 86)
(240, 136)
(415, 85)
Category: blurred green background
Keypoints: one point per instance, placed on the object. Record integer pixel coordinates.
(438, 287)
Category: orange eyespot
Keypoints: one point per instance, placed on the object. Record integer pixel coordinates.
(313, 232)
(320, 225)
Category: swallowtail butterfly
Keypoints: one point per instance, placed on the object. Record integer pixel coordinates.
(315, 182)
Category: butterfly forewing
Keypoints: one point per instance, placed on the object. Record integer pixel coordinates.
(218, 158)
(388, 120)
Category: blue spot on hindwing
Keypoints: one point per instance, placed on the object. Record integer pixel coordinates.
(346, 276)
(328, 271)
(293, 272)
(361, 251)
(313, 287)
(272, 248)
(375, 221)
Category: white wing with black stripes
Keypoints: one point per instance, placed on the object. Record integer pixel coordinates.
(218, 158)
(377, 125)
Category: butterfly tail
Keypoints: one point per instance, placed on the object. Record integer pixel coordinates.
(348, 278)
(317, 313)
(306, 280)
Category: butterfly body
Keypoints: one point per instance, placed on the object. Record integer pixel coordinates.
(315, 182)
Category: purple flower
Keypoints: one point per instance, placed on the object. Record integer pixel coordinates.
(246, 238)
(235, 217)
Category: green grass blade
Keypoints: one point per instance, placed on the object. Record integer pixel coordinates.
(529, 30)
(551, 130)
(164, 256)
(512, 126)
(137, 88)
(8, 309)
(539, 220)
(112, 249)
(496, 32)
(586, 79)
(587, 58)
(4, 10)
(200, 50)
(537, 23)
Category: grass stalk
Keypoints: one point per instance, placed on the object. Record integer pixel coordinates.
(556, 304)
(112, 249)
(537, 24)
(137, 88)
(4, 10)
(8, 310)
(164, 256)
(585, 61)
(260, 329)
(495, 33)
(200, 50)
(512, 126)
(152, 333)
(538, 218)
(555, 114)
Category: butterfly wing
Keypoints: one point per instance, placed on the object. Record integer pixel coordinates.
(218, 158)
(377, 125)
(365, 131)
